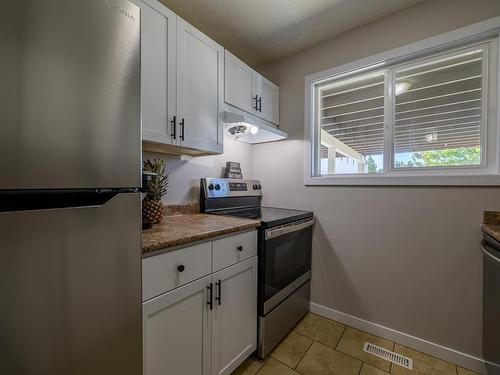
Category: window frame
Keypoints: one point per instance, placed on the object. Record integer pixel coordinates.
(482, 34)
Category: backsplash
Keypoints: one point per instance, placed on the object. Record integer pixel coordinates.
(185, 173)
(182, 209)
(491, 217)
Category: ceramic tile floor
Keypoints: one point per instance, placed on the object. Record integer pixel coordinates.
(320, 346)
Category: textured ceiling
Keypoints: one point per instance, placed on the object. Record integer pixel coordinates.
(259, 31)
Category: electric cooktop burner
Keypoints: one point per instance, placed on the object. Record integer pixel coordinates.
(269, 216)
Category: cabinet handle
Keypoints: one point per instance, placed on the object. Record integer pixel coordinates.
(260, 104)
(174, 127)
(181, 268)
(219, 292)
(256, 103)
(182, 129)
(239, 248)
(210, 301)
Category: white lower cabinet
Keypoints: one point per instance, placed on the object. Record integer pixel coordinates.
(234, 318)
(205, 327)
(177, 331)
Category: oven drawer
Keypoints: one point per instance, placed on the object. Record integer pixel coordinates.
(230, 250)
(161, 273)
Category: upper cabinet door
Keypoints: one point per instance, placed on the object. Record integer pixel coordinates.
(158, 41)
(269, 101)
(239, 85)
(200, 75)
(247, 90)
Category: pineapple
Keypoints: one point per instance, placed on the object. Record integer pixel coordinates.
(152, 211)
(156, 189)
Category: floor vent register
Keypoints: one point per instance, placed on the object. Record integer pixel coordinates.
(388, 355)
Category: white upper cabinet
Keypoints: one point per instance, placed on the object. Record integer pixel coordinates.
(249, 91)
(182, 84)
(240, 84)
(200, 74)
(186, 78)
(269, 97)
(158, 81)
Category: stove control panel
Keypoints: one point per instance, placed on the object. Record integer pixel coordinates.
(226, 187)
(238, 186)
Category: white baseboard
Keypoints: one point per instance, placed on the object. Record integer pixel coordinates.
(464, 360)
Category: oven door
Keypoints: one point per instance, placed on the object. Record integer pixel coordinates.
(285, 262)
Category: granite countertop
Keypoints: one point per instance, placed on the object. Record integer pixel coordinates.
(491, 224)
(184, 229)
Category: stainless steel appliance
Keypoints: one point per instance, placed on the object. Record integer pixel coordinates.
(284, 252)
(491, 303)
(70, 167)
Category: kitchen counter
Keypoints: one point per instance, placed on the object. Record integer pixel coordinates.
(491, 224)
(184, 229)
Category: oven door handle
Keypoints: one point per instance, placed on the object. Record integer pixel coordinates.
(280, 231)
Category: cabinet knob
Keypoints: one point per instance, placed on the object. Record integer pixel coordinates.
(181, 268)
(239, 248)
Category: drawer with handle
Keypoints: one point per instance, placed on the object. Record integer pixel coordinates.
(164, 272)
(231, 250)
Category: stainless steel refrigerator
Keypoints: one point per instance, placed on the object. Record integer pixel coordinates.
(70, 170)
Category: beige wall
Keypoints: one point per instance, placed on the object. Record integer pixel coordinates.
(404, 257)
(185, 174)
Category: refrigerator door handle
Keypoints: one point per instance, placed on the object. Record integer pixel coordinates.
(47, 200)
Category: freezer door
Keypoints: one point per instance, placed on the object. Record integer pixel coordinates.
(69, 94)
(70, 287)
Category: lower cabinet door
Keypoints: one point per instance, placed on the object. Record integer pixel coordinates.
(234, 318)
(177, 331)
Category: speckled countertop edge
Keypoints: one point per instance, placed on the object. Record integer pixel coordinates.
(175, 231)
(491, 224)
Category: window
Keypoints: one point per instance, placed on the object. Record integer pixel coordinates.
(438, 112)
(428, 115)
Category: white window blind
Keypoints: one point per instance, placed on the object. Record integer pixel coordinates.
(351, 115)
(438, 112)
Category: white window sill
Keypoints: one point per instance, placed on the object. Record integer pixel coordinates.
(385, 180)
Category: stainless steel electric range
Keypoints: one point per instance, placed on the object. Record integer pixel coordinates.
(284, 252)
